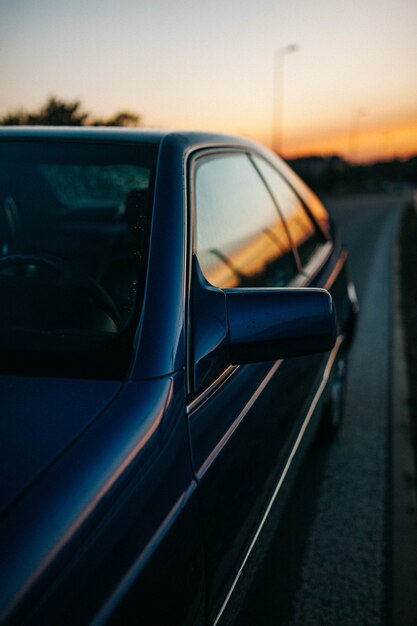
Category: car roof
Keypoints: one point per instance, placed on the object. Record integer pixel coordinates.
(118, 134)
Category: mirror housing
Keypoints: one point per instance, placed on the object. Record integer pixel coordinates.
(276, 323)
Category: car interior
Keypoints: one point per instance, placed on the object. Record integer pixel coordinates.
(73, 241)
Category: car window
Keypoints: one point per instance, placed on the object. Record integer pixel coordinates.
(241, 240)
(74, 223)
(78, 186)
(301, 227)
(315, 206)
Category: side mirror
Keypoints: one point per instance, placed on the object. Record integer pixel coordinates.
(272, 324)
(236, 326)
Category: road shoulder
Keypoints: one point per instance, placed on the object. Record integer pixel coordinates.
(404, 510)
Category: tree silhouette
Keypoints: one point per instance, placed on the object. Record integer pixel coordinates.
(57, 112)
(122, 118)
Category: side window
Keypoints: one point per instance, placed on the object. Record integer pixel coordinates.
(241, 240)
(302, 229)
(315, 206)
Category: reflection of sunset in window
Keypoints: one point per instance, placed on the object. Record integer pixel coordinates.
(245, 260)
(241, 239)
(317, 209)
(299, 225)
(309, 198)
(300, 228)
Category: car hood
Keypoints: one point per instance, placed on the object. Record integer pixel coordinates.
(39, 418)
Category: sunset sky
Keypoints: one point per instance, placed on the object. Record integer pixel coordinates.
(351, 88)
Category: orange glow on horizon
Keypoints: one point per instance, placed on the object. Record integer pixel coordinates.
(363, 144)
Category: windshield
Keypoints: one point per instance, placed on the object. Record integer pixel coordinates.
(74, 230)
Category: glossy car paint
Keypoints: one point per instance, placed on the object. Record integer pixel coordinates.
(265, 324)
(136, 502)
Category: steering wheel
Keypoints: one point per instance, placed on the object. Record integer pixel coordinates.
(69, 275)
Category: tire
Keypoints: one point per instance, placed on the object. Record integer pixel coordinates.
(333, 411)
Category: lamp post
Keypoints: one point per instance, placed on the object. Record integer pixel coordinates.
(277, 101)
(355, 118)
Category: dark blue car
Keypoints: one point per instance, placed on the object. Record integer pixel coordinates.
(174, 325)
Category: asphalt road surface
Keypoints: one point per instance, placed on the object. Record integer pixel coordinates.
(329, 561)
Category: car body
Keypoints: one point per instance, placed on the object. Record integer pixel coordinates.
(168, 345)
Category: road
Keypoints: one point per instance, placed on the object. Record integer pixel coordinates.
(329, 562)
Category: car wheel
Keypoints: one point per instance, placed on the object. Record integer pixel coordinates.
(333, 411)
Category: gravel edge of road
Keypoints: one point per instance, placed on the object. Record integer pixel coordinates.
(404, 506)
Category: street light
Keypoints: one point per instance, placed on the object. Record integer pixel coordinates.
(355, 118)
(277, 103)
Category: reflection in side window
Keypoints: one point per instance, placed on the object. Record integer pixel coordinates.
(301, 227)
(309, 197)
(241, 240)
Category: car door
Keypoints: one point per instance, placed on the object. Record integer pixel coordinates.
(243, 420)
